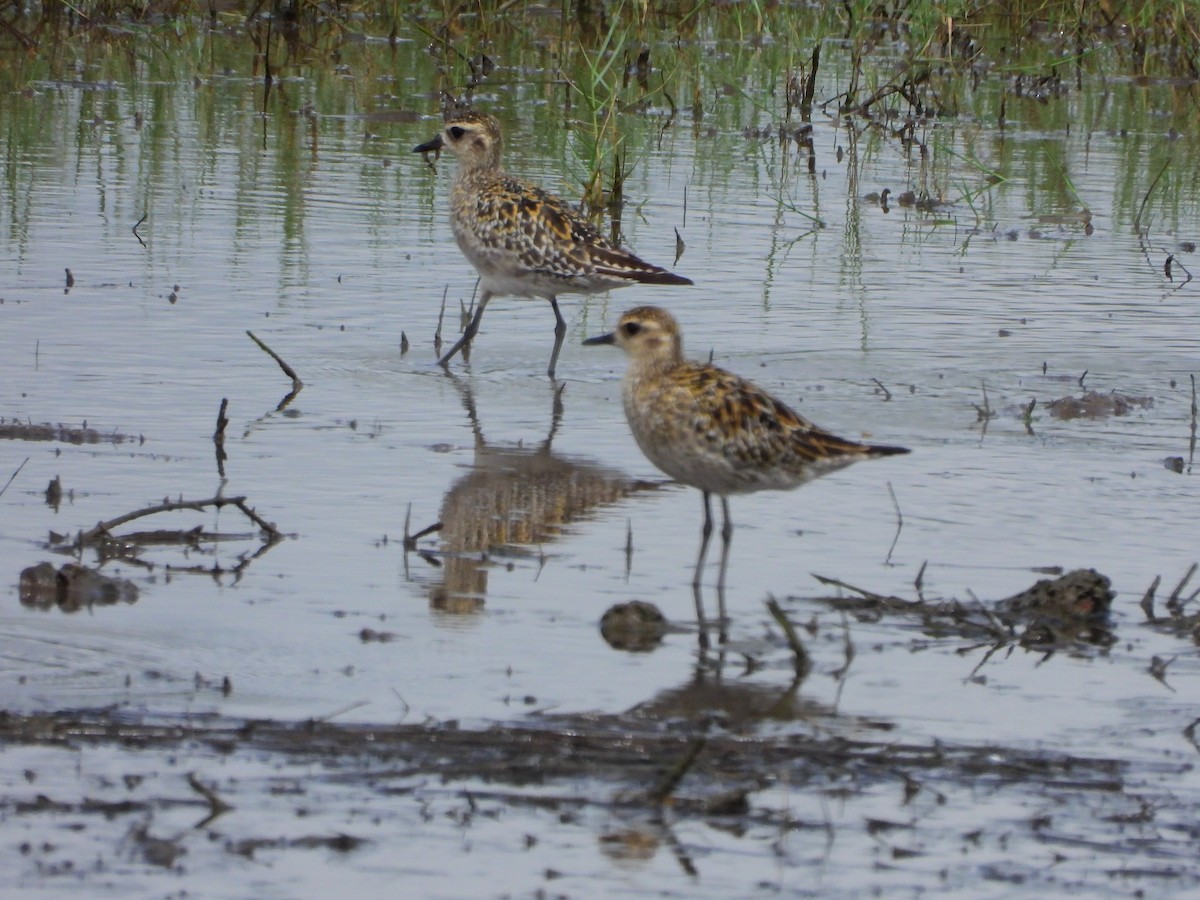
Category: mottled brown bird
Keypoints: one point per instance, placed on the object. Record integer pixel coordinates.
(714, 430)
(522, 240)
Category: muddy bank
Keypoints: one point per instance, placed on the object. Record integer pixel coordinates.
(132, 801)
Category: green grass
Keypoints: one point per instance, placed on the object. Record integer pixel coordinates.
(587, 74)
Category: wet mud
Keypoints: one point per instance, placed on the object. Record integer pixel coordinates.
(644, 777)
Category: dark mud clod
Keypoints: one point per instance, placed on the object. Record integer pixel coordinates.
(72, 588)
(13, 430)
(636, 626)
(1094, 405)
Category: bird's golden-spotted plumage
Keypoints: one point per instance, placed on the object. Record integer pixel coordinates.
(522, 240)
(714, 430)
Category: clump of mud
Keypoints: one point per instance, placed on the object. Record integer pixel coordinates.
(1054, 614)
(12, 430)
(72, 588)
(1095, 405)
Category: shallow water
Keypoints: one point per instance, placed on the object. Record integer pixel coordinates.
(327, 238)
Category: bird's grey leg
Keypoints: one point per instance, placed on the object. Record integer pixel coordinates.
(464, 342)
(705, 534)
(726, 538)
(701, 623)
(560, 332)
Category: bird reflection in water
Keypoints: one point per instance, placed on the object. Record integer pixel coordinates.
(514, 500)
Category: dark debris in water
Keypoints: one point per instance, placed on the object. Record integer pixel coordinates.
(636, 626)
(1182, 617)
(11, 429)
(341, 843)
(579, 754)
(72, 587)
(129, 546)
(1095, 405)
(1065, 613)
(642, 776)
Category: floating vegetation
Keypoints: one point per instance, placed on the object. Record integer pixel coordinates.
(12, 430)
(1054, 614)
(1095, 405)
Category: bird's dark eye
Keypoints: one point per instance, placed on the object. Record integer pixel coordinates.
(456, 131)
(631, 328)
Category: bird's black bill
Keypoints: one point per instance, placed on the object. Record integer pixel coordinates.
(609, 338)
(436, 144)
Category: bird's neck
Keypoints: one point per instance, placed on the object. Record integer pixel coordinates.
(478, 170)
(654, 366)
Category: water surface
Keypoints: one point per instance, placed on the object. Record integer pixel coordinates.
(313, 226)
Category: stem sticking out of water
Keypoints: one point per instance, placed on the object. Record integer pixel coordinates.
(1137, 220)
(437, 335)
(22, 465)
(219, 436)
(216, 805)
(899, 524)
(1192, 440)
(1147, 603)
(801, 661)
(984, 412)
(103, 530)
(297, 384)
(667, 786)
(628, 548)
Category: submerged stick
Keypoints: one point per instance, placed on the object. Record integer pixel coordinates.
(437, 335)
(862, 592)
(105, 528)
(983, 413)
(12, 476)
(1192, 439)
(1147, 603)
(899, 524)
(216, 805)
(219, 436)
(667, 786)
(1175, 602)
(628, 547)
(410, 540)
(1190, 733)
(297, 384)
(801, 661)
(1137, 220)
